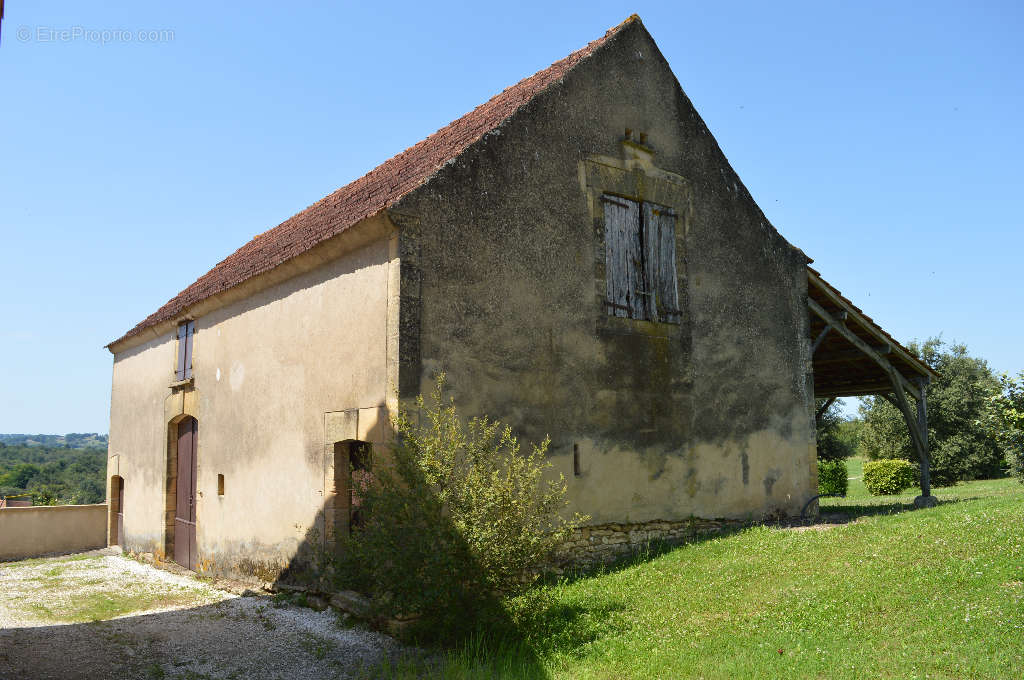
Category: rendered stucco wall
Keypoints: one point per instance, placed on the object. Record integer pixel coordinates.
(708, 418)
(496, 277)
(40, 530)
(271, 372)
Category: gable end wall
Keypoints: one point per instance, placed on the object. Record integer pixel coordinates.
(710, 417)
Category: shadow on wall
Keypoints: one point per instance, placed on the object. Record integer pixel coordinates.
(384, 532)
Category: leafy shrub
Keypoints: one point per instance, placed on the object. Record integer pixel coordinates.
(889, 477)
(456, 519)
(832, 477)
(1005, 419)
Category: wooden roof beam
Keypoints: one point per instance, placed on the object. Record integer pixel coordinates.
(857, 390)
(824, 288)
(864, 347)
(848, 354)
(841, 315)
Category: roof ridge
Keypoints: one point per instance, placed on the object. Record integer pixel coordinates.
(378, 189)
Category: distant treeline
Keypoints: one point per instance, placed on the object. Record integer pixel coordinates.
(72, 440)
(54, 475)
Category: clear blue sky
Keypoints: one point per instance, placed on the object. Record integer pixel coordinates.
(884, 141)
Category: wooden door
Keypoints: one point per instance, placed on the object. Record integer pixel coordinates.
(120, 511)
(342, 495)
(185, 505)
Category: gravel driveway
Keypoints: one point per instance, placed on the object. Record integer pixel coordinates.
(107, 616)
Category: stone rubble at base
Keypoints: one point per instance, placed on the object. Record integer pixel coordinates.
(607, 542)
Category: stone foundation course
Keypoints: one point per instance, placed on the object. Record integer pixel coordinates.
(605, 543)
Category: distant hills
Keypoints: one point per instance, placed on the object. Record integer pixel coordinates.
(53, 469)
(72, 440)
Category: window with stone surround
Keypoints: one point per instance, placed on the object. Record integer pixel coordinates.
(640, 260)
(185, 332)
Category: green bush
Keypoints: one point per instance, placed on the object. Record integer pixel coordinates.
(832, 477)
(1005, 419)
(890, 476)
(454, 519)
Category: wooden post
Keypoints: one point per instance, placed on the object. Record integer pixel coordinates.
(922, 426)
(918, 434)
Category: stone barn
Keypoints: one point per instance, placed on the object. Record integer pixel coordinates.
(580, 259)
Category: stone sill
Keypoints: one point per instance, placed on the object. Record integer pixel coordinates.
(187, 382)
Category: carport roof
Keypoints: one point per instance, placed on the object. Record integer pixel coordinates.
(855, 357)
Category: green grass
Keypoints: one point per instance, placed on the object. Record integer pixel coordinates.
(56, 560)
(100, 606)
(859, 501)
(69, 589)
(935, 593)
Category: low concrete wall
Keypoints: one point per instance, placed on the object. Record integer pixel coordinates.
(43, 529)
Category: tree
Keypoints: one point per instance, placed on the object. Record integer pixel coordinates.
(53, 474)
(960, 446)
(1005, 420)
(836, 438)
(20, 475)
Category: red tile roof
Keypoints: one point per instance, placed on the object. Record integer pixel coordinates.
(368, 195)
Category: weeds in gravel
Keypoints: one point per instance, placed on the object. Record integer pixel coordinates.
(284, 599)
(36, 561)
(261, 616)
(40, 610)
(51, 578)
(194, 675)
(84, 588)
(317, 646)
(100, 606)
(344, 620)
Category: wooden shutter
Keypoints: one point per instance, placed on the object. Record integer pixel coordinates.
(660, 243)
(624, 281)
(185, 333)
(182, 333)
(190, 328)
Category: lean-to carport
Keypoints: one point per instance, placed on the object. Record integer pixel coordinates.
(852, 356)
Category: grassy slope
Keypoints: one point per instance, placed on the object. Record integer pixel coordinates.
(931, 593)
